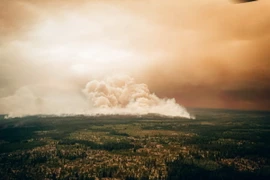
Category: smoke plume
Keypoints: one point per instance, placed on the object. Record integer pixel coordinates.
(113, 95)
(121, 94)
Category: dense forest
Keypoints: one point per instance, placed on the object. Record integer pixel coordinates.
(218, 144)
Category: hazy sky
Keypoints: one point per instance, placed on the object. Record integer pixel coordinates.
(207, 53)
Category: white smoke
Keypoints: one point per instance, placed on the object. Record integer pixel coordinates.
(113, 95)
(122, 95)
(27, 101)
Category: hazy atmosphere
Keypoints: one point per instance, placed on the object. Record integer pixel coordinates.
(208, 53)
(134, 89)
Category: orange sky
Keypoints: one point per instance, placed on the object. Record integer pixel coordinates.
(208, 53)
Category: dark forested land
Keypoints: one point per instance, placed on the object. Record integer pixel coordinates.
(218, 144)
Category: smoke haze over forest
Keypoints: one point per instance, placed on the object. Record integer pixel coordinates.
(209, 53)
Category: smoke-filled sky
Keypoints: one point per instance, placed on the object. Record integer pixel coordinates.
(207, 53)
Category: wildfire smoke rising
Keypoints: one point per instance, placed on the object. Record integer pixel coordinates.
(121, 94)
(114, 95)
(209, 54)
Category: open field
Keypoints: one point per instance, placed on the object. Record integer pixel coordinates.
(218, 144)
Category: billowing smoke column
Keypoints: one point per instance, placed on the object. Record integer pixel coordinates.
(114, 95)
(122, 95)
